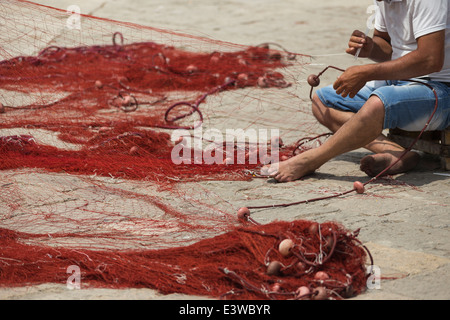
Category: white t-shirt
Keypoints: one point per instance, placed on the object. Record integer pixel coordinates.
(408, 20)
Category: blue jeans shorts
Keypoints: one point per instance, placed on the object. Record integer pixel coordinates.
(408, 105)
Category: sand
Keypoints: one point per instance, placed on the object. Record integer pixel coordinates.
(404, 220)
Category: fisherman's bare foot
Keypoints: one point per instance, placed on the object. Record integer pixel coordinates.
(374, 164)
(291, 169)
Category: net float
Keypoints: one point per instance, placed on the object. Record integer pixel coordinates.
(276, 287)
(126, 100)
(242, 79)
(191, 68)
(275, 56)
(313, 228)
(359, 187)
(229, 81)
(242, 61)
(285, 247)
(291, 56)
(243, 213)
(321, 275)
(349, 292)
(134, 150)
(179, 140)
(214, 59)
(300, 266)
(274, 268)
(313, 80)
(98, 84)
(329, 242)
(319, 293)
(263, 82)
(302, 292)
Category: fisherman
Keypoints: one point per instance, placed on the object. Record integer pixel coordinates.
(411, 41)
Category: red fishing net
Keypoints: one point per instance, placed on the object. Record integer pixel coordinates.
(245, 263)
(89, 178)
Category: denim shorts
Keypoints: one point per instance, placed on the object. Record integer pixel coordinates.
(408, 105)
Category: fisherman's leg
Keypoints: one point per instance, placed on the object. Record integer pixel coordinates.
(358, 131)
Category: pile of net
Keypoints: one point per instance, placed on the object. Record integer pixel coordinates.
(281, 260)
(114, 96)
(88, 176)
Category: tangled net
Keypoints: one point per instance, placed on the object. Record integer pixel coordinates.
(102, 85)
(88, 177)
(322, 261)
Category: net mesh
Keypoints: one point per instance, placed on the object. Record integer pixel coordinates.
(87, 170)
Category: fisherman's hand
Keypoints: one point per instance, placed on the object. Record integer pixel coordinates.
(359, 40)
(351, 81)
